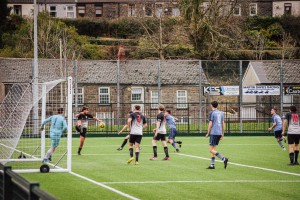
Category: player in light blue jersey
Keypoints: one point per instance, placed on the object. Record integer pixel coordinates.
(58, 126)
(171, 121)
(277, 125)
(215, 130)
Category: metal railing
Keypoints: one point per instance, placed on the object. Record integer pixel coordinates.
(14, 186)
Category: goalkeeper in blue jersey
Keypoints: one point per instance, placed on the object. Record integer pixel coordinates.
(58, 126)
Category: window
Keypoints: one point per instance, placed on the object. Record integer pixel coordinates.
(175, 12)
(154, 99)
(99, 10)
(106, 117)
(131, 10)
(53, 11)
(81, 11)
(149, 10)
(287, 100)
(18, 10)
(104, 97)
(80, 96)
(70, 12)
(237, 10)
(287, 8)
(181, 99)
(158, 9)
(253, 9)
(137, 94)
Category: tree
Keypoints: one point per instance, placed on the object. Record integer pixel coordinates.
(212, 27)
(162, 30)
(4, 13)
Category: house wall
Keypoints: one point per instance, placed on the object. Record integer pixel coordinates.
(278, 8)
(27, 9)
(250, 78)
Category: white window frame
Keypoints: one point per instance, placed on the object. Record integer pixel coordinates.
(97, 9)
(287, 100)
(81, 10)
(159, 9)
(104, 94)
(68, 11)
(79, 94)
(131, 10)
(53, 11)
(175, 10)
(154, 105)
(238, 6)
(133, 89)
(250, 6)
(181, 104)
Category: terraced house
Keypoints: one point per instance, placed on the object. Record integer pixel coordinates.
(111, 9)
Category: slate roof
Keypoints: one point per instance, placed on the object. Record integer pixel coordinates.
(268, 72)
(40, 1)
(139, 72)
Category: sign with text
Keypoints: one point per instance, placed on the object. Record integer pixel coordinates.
(221, 90)
(291, 90)
(261, 90)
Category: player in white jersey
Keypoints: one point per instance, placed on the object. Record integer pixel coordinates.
(136, 124)
(292, 120)
(160, 133)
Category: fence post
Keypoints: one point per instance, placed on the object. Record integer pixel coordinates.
(200, 96)
(241, 95)
(7, 185)
(281, 87)
(158, 82)
(189, 118)
(118, 93)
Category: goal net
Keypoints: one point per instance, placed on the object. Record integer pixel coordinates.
(22, 143)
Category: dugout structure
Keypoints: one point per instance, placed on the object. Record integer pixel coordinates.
(22, 144)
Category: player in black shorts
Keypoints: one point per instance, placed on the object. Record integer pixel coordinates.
(292, 120)
(82, 125)
(160, 133)
(136, 124)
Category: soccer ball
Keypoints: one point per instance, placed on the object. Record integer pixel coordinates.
(102, 125)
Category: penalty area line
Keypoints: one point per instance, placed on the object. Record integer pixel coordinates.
(105, 186)
(242, 165)
(206, 181)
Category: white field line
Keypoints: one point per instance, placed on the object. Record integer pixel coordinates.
(111, 154)
(111, 145)
(205, 181)
(242, 165)
(105, 186)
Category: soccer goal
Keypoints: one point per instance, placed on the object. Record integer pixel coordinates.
(23, 145)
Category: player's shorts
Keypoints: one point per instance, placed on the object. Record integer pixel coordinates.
(214, 140)
(173, 133)
(293, 138)
(159, 136)
(55, 139)
(277, 134)
(135, 139)
(82, 131)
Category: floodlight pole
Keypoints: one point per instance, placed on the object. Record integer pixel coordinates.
(200, 96)
(35, 72)
(241, 95)
(281, 87)
(118, 92)
(158, 80)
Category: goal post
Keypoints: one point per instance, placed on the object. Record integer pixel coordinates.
(20, 146)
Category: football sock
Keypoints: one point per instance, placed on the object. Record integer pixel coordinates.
(155, 151)
(212, 162)
(296, 155)
(124, 143)
(174, 145)
(280, 144)
(220, 156)
(79, 150)
(137, 156)
(131, 152)
(166, 151)
(48, 154)
(292, 157)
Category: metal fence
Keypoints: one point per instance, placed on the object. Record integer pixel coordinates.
(13, 186)
(112, 88)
